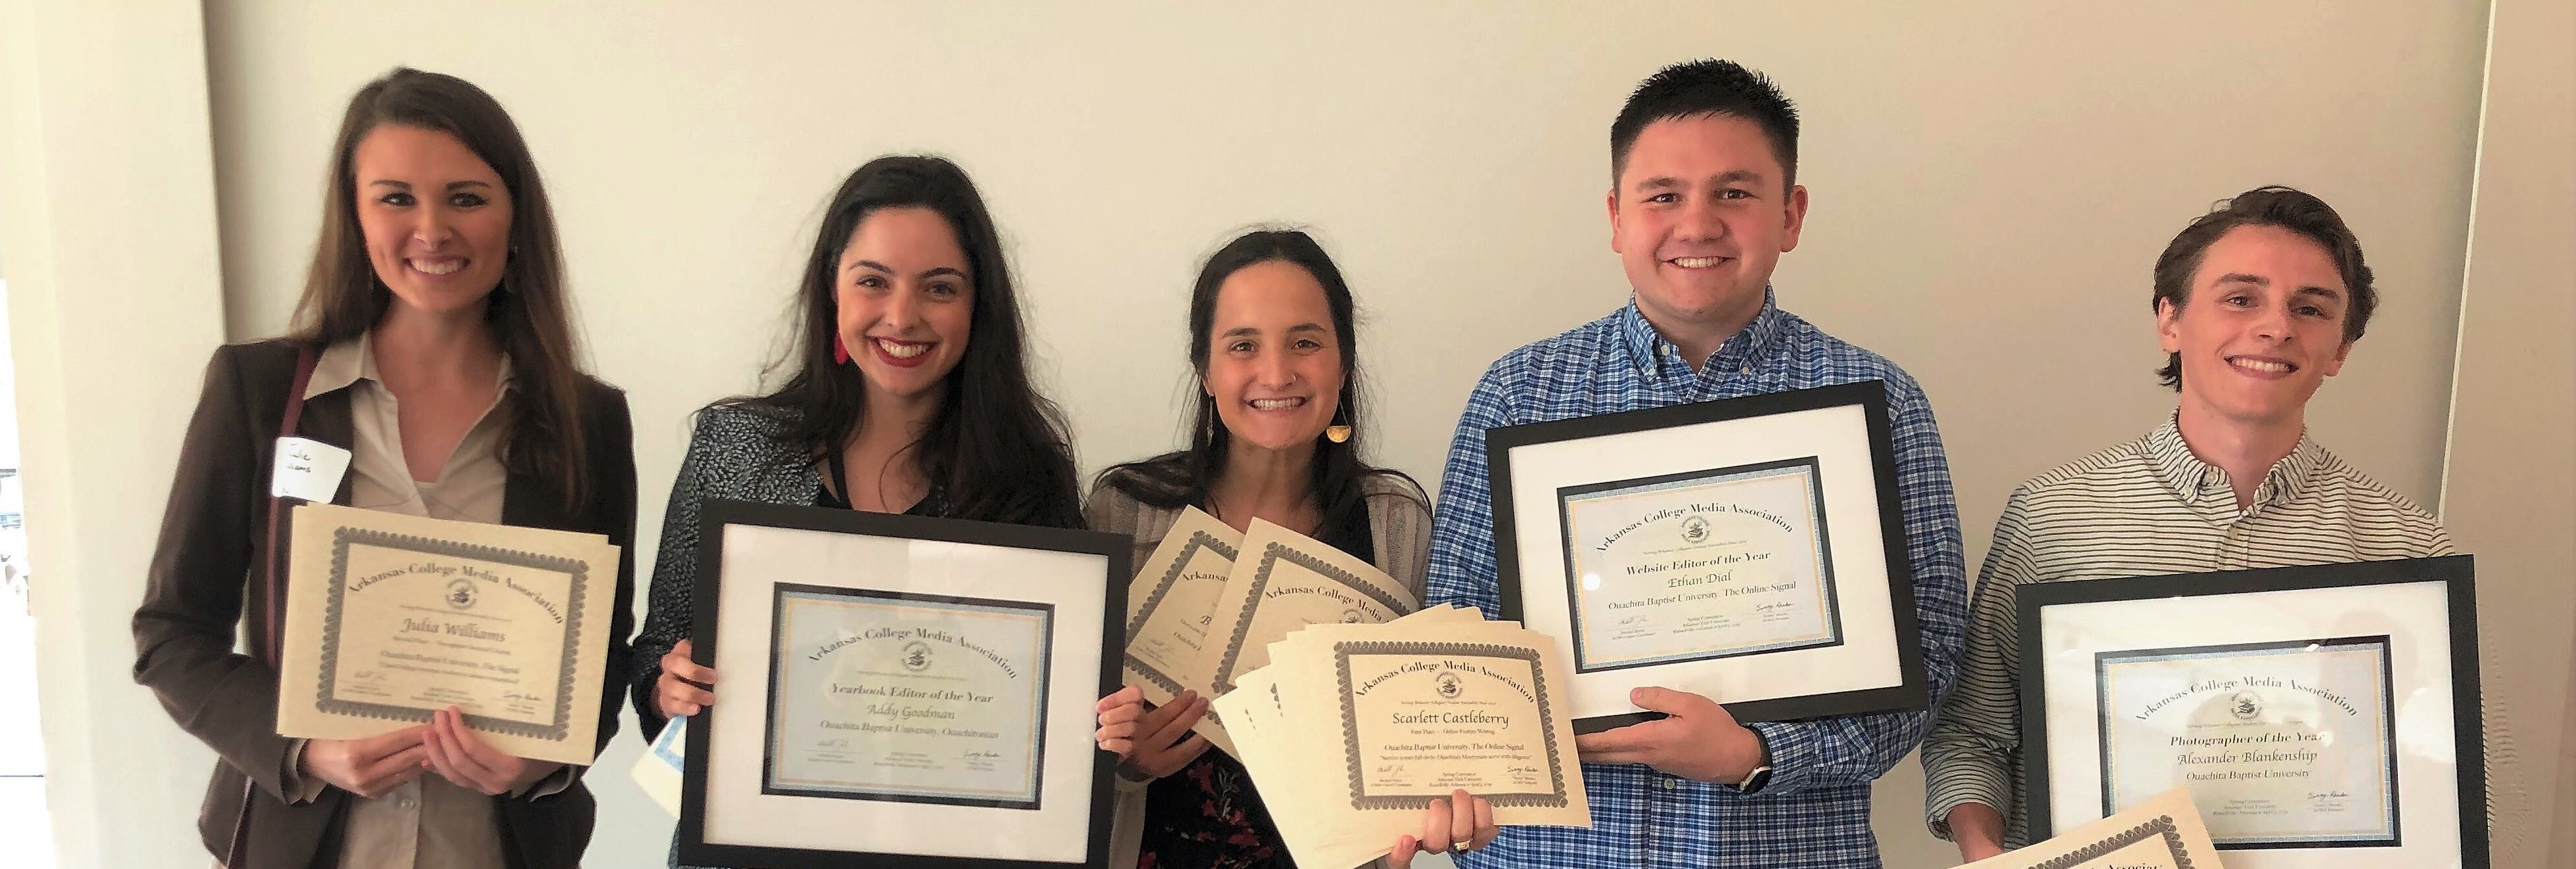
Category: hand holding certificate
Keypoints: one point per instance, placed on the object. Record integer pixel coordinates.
(1280, 582)
(2161, 832)
(1414, 710)
(1749, 549)
(390, 618)
(1171, 604)
(911, 688)
(2320, 715)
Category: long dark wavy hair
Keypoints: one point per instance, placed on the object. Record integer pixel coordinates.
(1183, 479)
(996, 450)
(530, 313)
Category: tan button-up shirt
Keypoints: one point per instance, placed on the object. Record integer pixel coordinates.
(429, 823)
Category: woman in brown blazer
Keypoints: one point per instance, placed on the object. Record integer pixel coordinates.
(435, 326)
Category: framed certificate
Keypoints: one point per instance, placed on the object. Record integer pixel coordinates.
(889, 682)
(2319, 716)
(1750, 550)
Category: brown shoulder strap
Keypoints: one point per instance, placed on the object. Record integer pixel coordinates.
(236, 853)
(305, 359)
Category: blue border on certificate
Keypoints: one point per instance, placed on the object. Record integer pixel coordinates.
(1567, 496)
(667, 747)
(780, 593)
(2387, 712)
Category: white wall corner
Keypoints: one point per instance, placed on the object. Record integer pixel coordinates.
(107, 227)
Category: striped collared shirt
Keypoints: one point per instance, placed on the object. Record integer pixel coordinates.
(1815, 810)
(2144, 508)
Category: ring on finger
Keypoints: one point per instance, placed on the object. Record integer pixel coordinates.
(1462, 846)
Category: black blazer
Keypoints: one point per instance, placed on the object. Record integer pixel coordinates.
(205, 578)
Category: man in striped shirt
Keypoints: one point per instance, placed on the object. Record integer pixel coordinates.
(1703, 203)
(2257, 303)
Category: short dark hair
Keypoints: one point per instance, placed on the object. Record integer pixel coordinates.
(2275, 205)
(1708, 87)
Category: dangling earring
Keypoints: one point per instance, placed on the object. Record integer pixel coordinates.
(840, 351)
(1340, 431)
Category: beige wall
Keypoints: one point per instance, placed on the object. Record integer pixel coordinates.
(2509, 491)
(107, 226)
(1990, 187)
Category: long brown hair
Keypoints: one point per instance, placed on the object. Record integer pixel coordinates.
(530, 314)
(1338, 478)
(997, 450)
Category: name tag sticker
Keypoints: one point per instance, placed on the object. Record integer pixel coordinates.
(308, 469)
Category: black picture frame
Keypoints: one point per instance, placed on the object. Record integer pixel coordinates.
(2457, 572)
(716, 514)
(1910, 694)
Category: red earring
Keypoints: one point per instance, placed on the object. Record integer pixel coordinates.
(840, 351)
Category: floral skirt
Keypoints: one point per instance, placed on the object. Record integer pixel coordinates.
(1207, 816)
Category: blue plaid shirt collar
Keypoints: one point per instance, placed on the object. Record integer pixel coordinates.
(1650, 353)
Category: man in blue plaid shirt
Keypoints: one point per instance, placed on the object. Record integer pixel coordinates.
(1704, 202)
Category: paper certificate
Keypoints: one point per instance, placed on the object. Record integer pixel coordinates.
(1405, 712)
(880, 695)
(1698, 565)
(2161, 832)
(659, 770)
(2281, 744)
(1284, 581)
(391, 617)
(1421, 719)
(1173, 599)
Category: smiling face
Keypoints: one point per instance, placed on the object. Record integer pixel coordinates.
(1702, 213)
(905, 298)
(436, 218)
(1274, 363)
(2262, 328)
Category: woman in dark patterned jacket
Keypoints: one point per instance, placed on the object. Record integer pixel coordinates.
(910, 394)
(1276, 437)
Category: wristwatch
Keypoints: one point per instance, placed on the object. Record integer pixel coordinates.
(1761, 773)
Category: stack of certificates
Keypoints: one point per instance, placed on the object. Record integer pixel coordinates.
(1353, 729)
(1210, 601)
(1303, 649)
